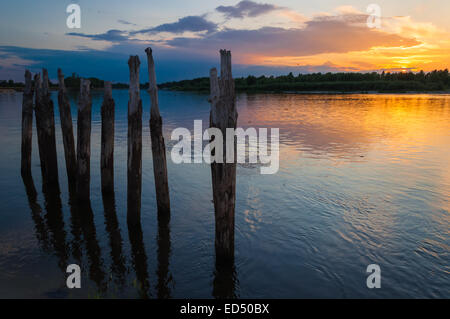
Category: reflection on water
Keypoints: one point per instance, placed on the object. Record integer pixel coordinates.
(118, 267)
(164, 284)
(363, 179)
(139, 259)
(224, 285)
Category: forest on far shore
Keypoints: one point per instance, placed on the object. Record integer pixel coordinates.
(437, 80)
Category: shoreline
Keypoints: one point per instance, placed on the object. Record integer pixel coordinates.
(440, 92)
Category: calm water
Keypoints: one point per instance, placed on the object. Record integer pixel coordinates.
(363, 179)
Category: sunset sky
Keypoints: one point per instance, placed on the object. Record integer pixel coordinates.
(265, 37)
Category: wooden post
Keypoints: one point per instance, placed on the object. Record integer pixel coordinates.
(134, 176)
(84, 141)
(67, 131)
(45, 124)
(158, 146)
(27, 125)
(107, 151)
(223, 116)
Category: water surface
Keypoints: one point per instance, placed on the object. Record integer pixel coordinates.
(363, 179)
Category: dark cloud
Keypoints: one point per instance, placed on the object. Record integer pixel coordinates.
(318, 36)
(189, 23)
(246, 8)
(111, 35)
(110, 64)
(125, 22)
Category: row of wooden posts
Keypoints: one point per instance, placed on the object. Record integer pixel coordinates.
(223, 115)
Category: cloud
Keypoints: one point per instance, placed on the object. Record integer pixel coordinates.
(111, 35)
(125, 22)
(321, 35)
(110, 65)
(13, 66)
(189, 23)
(246, 8)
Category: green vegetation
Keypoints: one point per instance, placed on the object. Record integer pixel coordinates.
(11, 84)
(437, 80)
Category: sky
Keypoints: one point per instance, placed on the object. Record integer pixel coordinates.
(265, 38)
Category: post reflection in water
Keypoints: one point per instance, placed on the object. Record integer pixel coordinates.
(139, 258)
(36, 213)
(52, 236)
(55, 225)
(75, 229)
(225, 281)
(96, 273)
(165, 280)
(51, 233)
(118, 267)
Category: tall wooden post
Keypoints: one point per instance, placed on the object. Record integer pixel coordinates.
(134, 176)
(107, 149)
(158, 146)
(84, 142)
(67, 131)
(45, 124)
(223, 116)
(27, 125)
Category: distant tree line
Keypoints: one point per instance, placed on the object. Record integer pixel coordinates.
(384, 82)
(73, 82)
(437, 80)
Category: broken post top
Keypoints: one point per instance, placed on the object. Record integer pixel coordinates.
(85, 94)
(224, 86)
(152, 86)
(28, 87)
(223, 97)
(134, 91)
(107, 90)
(61, 80)
(225, 65)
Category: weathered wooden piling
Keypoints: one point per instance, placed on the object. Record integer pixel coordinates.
(67, 132)
(27, 125)
(224, 115)
(158, 145)
(84, 142)
(134, 176)
(107, 148)
(45, 125)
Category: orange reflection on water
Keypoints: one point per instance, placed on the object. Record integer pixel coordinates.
(348, 125)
